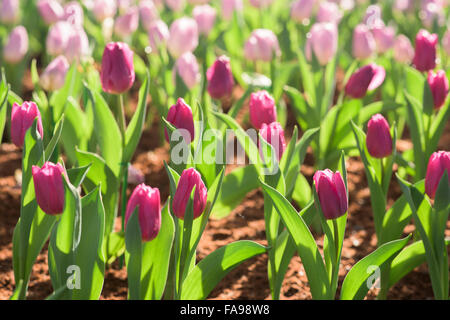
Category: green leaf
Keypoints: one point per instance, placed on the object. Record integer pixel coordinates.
(3, 104)
(133, 255)
(115, 246)
(55, 139)
(76, 175)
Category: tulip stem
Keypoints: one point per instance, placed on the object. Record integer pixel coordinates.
(382, 172)
(123, 164)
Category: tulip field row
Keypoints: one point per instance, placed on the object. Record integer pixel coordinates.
(239, 93)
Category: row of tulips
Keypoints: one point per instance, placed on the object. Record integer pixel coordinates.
(80, 113)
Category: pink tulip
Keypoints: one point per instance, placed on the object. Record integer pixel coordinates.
(262, 45)
(384, 37)
(262, 109)
(49, 187)
(439, 87)
(158, 33)
(187, 68)
(9, 11)
(175, 5)
(205, 16)
(77, 45)
(425, 53)
(378, 139)
(230, 6)
(220, 79)
(50, 10)
(127, 23)
(17, 45)
(117, 72)
(329, 12)
(273, 134)
(322, 40)
(437, 164)
(180, 116)
(366, 78)
(330, 188)
(183, 36)
(148, 13)
(73, 14)
(58, 37)
(363, 42)
(403, 50)
(148, 201)
(188, 179)
(104, 9)
(54, 75)
(22, 118)
(446, 42)
(301, 10)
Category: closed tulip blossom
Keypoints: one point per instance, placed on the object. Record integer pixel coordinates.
(329, 12)
(330, 188)
(365, 79)
(51, 11)
(364, 44)
(148, 13)
(403, 50)
(180, 116)
(117, 71)
(54, 75)
(158, 33)
(73, 13)
(229, 7)
(439, 87)
(17, 45)
(301, 10)
(262, 45)
(437, 164)
(425, 51)
(187, 68)
(322, 41)
(183, 36)
(262, 109)
(273, 134)
(104, 9)
(77, 45)
(220, 79)
(378, 139)
(384, 37)
(9, 11)
(22, 118)
(446, 42)
(58, 37)
(205, 16)
(49, 187)
(148, 202)
(127, 23)
(188, 179)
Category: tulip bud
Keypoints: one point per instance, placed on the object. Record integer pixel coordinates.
(175, 5)
(220, 79)
(425, 53)
(58, 37)
(329, 12)
(187, 68)
(183, 36)
(322, 40)
(273, 133)
(378, 139)
(49, 187)
(54, 75)
(262, 109)
(260, 3)
(446, 42)
(17, 45)
(148, 13)
(439, 87)
(22, 118)
(384, 37)
(73, 14)
(363, 42)
(9, 11)
(158, 33)
(180, 116)
(117, 72)
(332, 194)
(262, 45)
(366, 78)
(149, 212)
(301, 10)
(230, 6)
(104, 9)
(50, 10)
(437, 164)
(403, 50)
(127, 23)
(188, 179)
(205, 16)
(77, 45)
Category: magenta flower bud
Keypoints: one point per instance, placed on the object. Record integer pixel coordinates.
(73, 14)
(117, 72)
(188, 179)
(329, 12)
(183, 36)
(437, 164)
(205, 16)
(364, 44)
(425, 53)
(17, 45)
(148, 13)
(366, 78)
(149, 211)
(262, 45)
(49, 187)
(180, 116)
(273, 133)
(301, 10)
(322, 40)
(378, 139)
(384, 37)
(22, 118)
(127, 23)
(262, 109)
(260, 3)
(50, 10)
(220, 79)
(439, 87)
(330, 188)
(103, 9)
(187, 68)
(446, 42)
(9, 11)
(158, 33)
(403, 50)
(77, 45)
(54, 75)
(229, 7)
(175, 5)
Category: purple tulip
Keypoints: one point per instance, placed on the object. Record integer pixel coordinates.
(366, 78)
(363, 42)
(425, 53)
(323, 41)
(220, 79)
(262, 45)
(188, 179)
(439, 87)
(117, 72)
(301, 10)
(127, 23)
(378, 139)
(205, 16)
(180, 116)
(187, 68)
(50, 10)
(17, 45)
(148, 13)
(332, 194)
(104, 9)
(183, 36)
(158, 33)
(262, 109)
(54, 75)
(403, 50)
(22, 118)
(438, 163)
(149, 212)
(49, 187)
(9, 11)
(230, 6)
(58, 37)
(273, 134)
